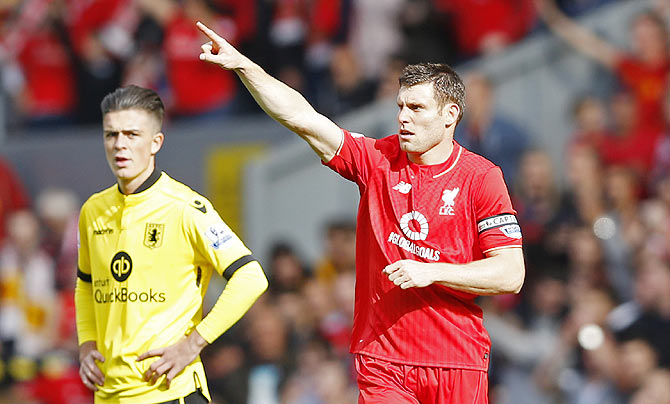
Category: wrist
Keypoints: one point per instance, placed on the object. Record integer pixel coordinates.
(196, 341)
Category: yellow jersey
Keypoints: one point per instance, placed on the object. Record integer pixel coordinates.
(145, 261)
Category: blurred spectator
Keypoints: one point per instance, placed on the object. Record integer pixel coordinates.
(27, 290)
(527, 335)
(100, 40)
(589, 116)
(287, 273)
(485, 131)
(270, 360)
(643, 69)
(484, 27)
(427, 35)
(340, 251)
(350, 89)
(654, 390)
(58, 210)
(13, 196)
(647, 316)
(629, 143)
(197, 89)
(375, 35)
(48, 97)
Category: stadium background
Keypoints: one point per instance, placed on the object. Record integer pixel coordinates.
(596, 227)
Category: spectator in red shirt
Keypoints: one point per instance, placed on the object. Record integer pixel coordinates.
(196, 89)
(487, 26)
(643, 69)
(13, 196)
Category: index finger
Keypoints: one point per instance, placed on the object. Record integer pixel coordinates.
(210, 33)
(149, 354)
(390, 268)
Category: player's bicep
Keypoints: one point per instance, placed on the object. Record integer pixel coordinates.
(323, 136)
(497, 225)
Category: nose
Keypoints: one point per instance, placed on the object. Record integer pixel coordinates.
(403, 115)
(119, 142)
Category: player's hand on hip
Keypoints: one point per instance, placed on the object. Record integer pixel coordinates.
(409, 274)
(90, 373)
(218, 51)
(173, 359)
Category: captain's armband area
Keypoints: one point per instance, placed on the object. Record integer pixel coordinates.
(505, 221)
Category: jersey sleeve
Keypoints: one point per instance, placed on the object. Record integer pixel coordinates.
(497, 225)
(355, 158)
(217, 244)
(85, 316)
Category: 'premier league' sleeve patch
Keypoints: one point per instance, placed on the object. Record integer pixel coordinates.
(219, 234)
(511, 231)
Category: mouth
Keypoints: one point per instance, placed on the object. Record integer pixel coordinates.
(121, 161)
(405, 134)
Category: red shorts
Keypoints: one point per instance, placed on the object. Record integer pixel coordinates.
(382, 382)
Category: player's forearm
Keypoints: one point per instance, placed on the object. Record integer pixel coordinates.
(85, 316)
(291, 109)
(495, 275)
(240, 293)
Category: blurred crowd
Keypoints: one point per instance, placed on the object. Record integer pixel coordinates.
(592, 323)
(60, 57)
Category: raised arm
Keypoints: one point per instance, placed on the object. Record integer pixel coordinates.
(577, 36)
(501, 272)
(279, 101)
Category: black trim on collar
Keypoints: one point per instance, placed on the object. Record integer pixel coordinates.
(155, 175)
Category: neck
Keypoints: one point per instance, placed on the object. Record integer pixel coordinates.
(438, 154)
(128, 187)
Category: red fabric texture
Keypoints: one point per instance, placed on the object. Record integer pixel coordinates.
(427, 213)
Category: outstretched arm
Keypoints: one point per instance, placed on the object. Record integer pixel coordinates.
(279, 101)
(501, 272)
(577, 36)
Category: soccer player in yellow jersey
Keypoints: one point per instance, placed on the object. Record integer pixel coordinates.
(148, 248)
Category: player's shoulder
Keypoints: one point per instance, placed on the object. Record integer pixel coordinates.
(476, 163)
(101, 198)
(184, 196)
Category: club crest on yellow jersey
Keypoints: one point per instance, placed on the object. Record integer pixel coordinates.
(153, 235)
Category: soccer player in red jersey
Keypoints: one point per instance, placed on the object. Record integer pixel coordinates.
(435, 229)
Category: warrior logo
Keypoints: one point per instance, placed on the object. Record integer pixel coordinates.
(121, 266)
(448, 197)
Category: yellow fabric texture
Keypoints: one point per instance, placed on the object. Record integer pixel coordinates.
(145, 262)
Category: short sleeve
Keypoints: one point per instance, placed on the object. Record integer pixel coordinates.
(497, 224)
(355, 158)
(212, 239)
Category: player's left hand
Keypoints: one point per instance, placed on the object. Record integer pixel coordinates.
(174, 358)
(409, 274)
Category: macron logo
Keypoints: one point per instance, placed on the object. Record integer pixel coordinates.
(403, 187)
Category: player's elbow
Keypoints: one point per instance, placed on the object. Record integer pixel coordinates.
(260, 280)
(515, 279)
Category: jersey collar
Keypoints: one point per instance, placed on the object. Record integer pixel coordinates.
(437, 170)
(155, 175)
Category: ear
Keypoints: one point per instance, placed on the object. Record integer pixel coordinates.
(450, 113)
(157, 143)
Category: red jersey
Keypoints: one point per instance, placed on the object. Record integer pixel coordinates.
(648, 85)
(196, 87)
(452, 212)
